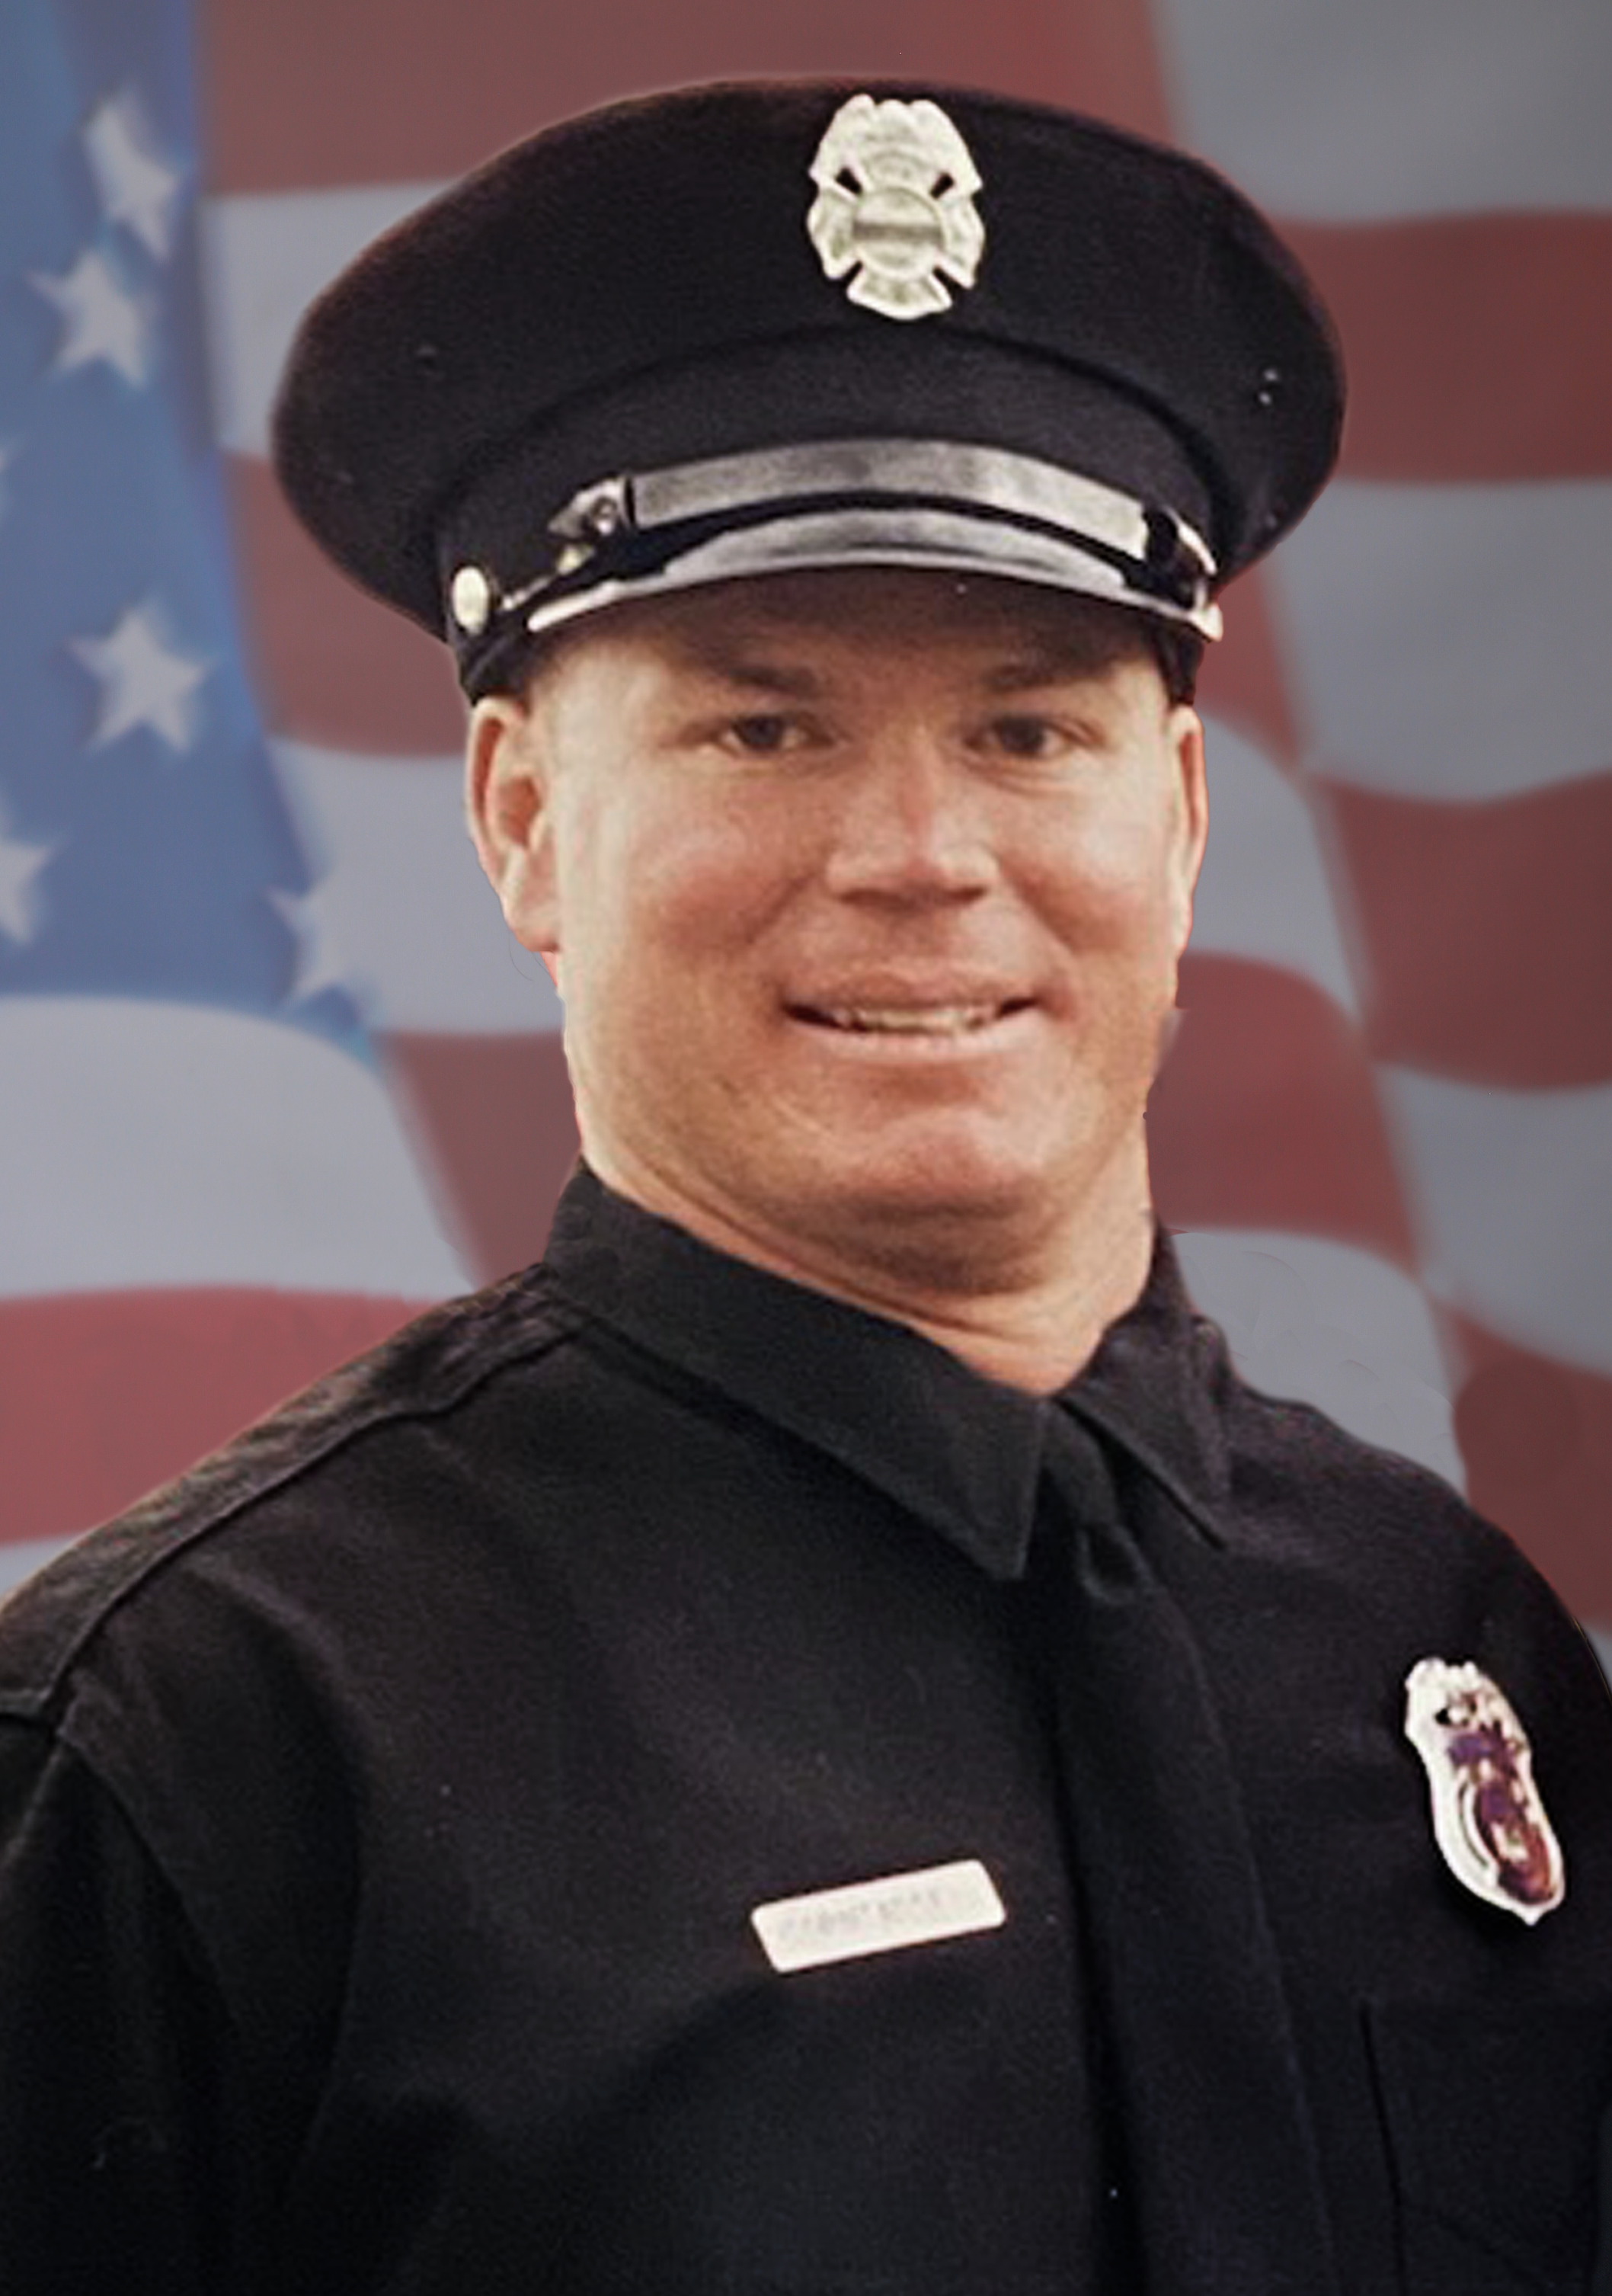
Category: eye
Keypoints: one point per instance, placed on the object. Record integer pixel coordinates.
(765, 734)
(1026, 737)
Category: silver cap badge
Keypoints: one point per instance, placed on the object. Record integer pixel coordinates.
(1487, 1816)
(894, 206)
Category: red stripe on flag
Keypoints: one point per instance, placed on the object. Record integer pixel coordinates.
(1536, 1436)
(492, 1119)
(305, 95)
(1479, 346)
(332, 666)
(104, 1395)
(1265, 1114)
(1488, 932)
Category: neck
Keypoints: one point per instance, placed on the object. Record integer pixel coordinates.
(1030, 1318)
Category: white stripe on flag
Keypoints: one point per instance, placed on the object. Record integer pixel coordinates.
(170, 1145)
(1354, 110)
(1509, 1191)
(1329, 1324)
(1477, 609)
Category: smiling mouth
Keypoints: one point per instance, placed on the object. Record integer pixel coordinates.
(944, 1021)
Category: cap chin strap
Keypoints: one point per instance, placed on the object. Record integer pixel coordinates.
(917, 502)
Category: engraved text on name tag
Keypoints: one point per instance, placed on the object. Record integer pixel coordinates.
(937, 1901)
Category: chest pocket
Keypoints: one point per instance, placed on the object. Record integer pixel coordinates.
(1495, 2120)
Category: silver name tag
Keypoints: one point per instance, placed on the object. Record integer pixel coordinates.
(920, 1909)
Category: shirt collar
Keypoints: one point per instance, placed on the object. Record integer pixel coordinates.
(961, 1451)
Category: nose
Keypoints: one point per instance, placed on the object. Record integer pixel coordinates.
(912, 825)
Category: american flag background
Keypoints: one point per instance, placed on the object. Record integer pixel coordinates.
(273, 1076)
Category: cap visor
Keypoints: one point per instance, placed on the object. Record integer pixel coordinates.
(956, 542)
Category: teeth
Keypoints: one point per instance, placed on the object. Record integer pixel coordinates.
(934, 1020)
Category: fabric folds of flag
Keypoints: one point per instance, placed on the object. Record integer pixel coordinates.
(271, 1073)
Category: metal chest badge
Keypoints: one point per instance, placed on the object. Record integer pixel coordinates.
(894, 206)
(1487, 1816)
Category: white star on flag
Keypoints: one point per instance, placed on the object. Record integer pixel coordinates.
(21, 910)
(101, 318)
(311, 918)
(138, 188)
(143, 682)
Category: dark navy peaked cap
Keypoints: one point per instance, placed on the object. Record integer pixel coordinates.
(746, 328)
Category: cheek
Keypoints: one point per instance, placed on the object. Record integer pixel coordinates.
(672, 891)
(705, 881)
(1109, 883)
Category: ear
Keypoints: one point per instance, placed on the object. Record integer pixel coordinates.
(1190, 828)
(510, 814)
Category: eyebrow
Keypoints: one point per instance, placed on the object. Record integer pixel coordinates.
(1050, 666)
(723, 660)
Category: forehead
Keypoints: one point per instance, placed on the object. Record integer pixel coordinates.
(869, 613)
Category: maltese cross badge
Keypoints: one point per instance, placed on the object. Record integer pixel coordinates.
(1487, 1816)
(894, 206)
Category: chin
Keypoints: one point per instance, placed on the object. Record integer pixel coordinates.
(951, 1183)
(1021, 1179)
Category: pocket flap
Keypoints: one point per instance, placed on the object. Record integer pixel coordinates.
(1493, 2116)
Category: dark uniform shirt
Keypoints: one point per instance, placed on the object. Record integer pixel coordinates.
(384, 1806)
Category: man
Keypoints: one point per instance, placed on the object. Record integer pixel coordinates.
(819, 1740)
